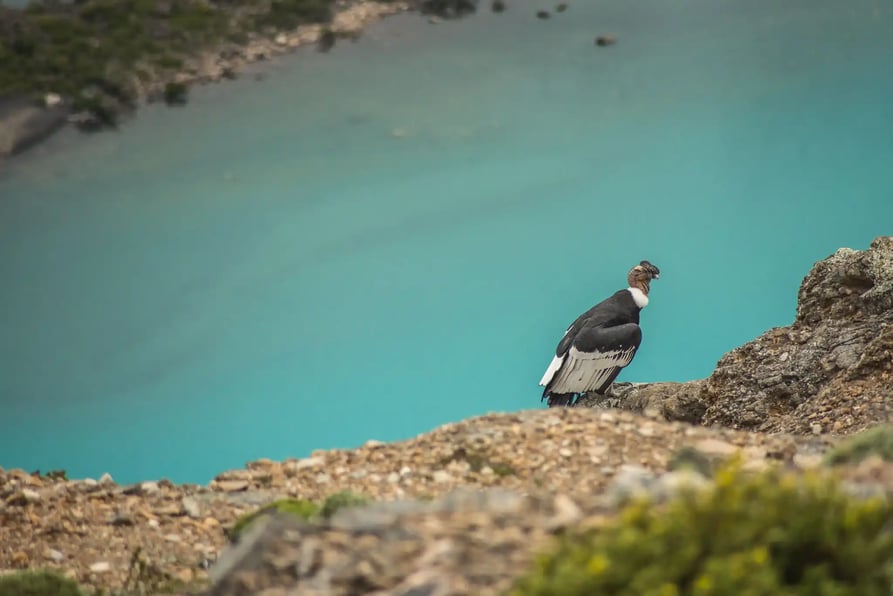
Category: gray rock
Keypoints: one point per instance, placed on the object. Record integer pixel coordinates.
(191, 507)
(791, 378)
(24, 123)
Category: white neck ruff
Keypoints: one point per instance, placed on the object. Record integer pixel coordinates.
(639, 297)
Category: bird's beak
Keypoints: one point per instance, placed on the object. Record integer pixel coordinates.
(657, 276)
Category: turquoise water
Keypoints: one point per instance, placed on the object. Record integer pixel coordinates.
(271, 270)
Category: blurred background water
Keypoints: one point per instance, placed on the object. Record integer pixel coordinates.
(394, 235)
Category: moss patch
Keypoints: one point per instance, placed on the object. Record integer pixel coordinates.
(297, 507)
(342, 500)
(38, 583)
(768, 533)
(874, 441)
(306, 510)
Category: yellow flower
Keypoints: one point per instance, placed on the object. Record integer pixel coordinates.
(703, 585)
(597, 564)
(760, 555)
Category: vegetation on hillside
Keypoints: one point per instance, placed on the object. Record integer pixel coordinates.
(307, 510)
(768, 533)
(38, 582)
(873, 441)
(96, 53)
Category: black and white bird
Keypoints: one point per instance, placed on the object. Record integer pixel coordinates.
(600, 343)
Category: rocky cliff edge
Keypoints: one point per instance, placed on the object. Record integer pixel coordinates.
(830, 371)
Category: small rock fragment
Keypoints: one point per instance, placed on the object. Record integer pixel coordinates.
(441, 476)
(605, 40)
(149, 488)
(715, 447)
(292, 467)
(191, 507)
(232, 486)
(101, 567)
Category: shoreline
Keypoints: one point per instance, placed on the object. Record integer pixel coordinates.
(26, 123)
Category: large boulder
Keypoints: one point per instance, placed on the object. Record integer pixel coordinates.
(830, 371)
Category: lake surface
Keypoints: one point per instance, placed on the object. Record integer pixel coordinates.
(392, 236)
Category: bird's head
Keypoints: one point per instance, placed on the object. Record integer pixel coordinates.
(641, 275)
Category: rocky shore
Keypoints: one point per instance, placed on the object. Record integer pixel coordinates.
(31, 111)
(467, 507)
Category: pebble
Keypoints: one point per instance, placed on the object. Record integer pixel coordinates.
(106, 479)
(191, 507)
(303, 464)
(672, 483)
(807, 461)
(566, 513)
(715, 447)
(441, 476)
(630, 481)
(149, 488)
(55, 555)
(231, 486)
(101, 567)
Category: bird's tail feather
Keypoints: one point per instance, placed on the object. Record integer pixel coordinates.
(562, 399)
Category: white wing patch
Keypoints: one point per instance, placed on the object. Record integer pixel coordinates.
(587, 371)
(556, 363)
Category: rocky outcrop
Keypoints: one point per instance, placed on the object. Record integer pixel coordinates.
(830, 371)
(24, 123)
(401, 547)
(683, 402)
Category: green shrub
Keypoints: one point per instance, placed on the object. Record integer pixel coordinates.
(38, 583)
(299, 507)
(304, 509)
(342, 500)
(690, 458)
(759, 534)
(874, 441)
